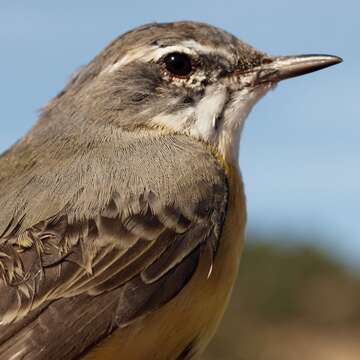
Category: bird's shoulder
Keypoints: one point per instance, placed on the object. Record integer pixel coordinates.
(43, 179)
(127, 214)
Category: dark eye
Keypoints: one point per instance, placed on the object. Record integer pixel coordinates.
(178, 64)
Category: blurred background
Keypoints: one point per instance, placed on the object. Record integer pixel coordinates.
(298, 293)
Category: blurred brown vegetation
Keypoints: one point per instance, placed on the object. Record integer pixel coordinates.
(290, 304)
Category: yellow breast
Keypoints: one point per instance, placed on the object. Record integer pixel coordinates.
(194, 314)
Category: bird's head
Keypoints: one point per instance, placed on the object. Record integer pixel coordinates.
(183, 77)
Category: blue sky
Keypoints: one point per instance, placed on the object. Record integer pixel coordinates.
(300, 148)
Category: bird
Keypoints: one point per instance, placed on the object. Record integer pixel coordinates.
(123, 211)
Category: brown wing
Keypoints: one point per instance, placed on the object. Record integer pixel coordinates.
(91, 275)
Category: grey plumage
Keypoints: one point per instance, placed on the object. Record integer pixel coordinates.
(109, 202)
(93, 216)
(94, 202)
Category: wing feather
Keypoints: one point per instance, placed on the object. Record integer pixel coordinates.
(120, 251)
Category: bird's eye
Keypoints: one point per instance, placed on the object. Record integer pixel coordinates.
(178, 64)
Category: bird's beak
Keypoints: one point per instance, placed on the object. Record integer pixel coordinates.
(279, 68)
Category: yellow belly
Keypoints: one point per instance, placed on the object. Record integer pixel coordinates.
(194, 314)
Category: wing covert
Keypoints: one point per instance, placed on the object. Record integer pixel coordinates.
(141, 246)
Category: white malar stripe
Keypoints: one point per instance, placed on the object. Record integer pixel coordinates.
(208, 110)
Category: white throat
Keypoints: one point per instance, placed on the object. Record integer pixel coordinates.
(217, 118)
(236, 111)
